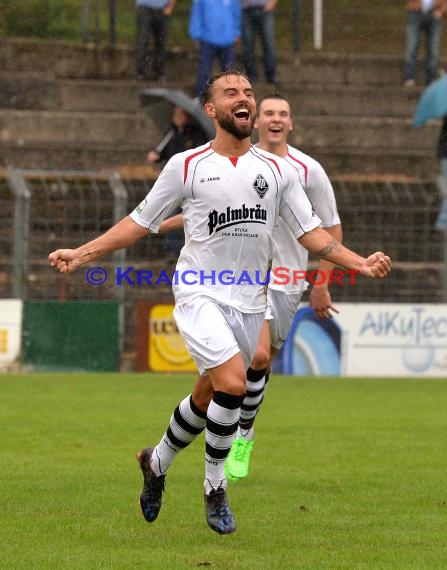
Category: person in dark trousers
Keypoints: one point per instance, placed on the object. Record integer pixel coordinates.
(422, 17)
(258, 22)
(152, 19)
(442, 147)
(441, 222)
(216, 26)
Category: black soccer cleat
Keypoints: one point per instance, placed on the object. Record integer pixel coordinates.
(153, 487)
(218, 514)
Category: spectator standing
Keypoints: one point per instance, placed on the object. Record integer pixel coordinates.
(152, 19)
(216, 26)
(423, 17)
(258, 21)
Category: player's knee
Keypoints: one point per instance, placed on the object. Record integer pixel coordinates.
(261, 358)
(235, 386)
(202, 393)
(202, 400)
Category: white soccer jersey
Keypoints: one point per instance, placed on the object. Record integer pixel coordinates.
(230, 208)
(286, 253)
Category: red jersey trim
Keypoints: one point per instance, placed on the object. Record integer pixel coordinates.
(302, 164)
(188, 160)
(268, 158)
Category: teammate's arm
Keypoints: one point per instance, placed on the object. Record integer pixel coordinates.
(170, 224)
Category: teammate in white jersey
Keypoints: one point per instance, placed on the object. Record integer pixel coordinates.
(273, 123)
(231, 194)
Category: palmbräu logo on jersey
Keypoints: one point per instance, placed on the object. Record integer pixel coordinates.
(235, 216)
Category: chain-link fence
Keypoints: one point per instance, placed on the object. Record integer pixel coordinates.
(43, 210)
(57, 209)
(396, 215)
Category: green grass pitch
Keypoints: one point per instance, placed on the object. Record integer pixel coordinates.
(346, 473)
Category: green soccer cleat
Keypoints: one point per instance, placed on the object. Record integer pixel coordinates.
(237, 463)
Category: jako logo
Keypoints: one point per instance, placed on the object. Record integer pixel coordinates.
(232, 216)
(210, 179)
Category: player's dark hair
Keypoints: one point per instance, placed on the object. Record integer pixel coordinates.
(272, 95)
(208, 91)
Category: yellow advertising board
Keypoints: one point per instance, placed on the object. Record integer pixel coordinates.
(165, 348)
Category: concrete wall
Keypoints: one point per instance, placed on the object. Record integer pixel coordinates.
(350, 111)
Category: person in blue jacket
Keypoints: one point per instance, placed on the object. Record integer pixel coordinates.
(216, 26)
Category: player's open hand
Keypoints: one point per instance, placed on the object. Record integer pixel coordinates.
(65, 260)
(377, 265)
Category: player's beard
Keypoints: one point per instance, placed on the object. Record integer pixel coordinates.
(226, 122)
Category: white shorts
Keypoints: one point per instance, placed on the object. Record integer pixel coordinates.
(214, 332)
(281, 310)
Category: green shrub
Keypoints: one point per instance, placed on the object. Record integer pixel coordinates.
(40, 18)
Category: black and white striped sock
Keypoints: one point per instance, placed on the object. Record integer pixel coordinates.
(221, 425)
(256, 384)
(186, 423)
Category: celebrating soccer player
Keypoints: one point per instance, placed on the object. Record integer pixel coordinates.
(220, 324)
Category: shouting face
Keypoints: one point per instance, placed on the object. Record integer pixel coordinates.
(232, 105)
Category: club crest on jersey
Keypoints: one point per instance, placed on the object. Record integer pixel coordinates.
(260, 185)
(234, 216)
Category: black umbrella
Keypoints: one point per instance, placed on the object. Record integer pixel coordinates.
(158, 104)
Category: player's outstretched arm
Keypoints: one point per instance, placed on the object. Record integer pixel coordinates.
(121, 235)
(320, 298)
(322, 244)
